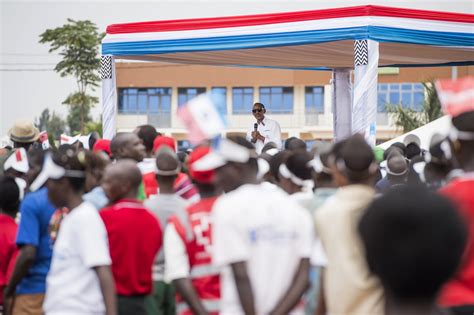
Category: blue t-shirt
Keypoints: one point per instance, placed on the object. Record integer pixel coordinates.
(36, 212)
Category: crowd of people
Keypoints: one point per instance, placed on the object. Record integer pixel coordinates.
(131, 226)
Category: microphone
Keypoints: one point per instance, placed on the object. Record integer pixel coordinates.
(255, 126)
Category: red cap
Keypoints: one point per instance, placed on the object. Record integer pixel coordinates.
(102, 145)
(163, 140)
(204, 177)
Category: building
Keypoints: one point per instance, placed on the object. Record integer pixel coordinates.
(150, 93)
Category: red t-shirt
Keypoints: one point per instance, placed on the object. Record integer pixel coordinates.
(135, 237)
(8, 250)
(460, 289)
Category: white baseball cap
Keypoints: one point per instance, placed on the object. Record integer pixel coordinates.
(51, 170)
(17, 161)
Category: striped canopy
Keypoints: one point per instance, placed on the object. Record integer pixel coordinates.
(317, 39)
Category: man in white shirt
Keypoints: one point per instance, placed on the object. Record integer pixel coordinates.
(263, 243)
(265, 130)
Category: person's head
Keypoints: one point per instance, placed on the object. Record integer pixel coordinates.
(127, 145)
(168, 167)
(295, 144)
(121, 180)
(322, 174)
(23, 134)
(102, 146)
(35, 163)
(95, 168)
(463, 140)
(163, 141)
(258, 111)
(401, 146)
(397, 169)
(393, 149)
(412, 150)
(235, 174)
(203, 180)
(352, 162)
(147, 133)
(10, 200)
(64, 189)
(275, 162)
(295, 173)
(269, 146)
(413, 240)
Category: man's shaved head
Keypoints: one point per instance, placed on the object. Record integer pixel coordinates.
(127, 145)
(167, 159)
(354, 159)
(122, 180)
(397, 165)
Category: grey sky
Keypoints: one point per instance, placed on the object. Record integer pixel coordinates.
(24, 94)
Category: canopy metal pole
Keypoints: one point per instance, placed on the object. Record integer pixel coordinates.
(341, 103)
(364, 107)
(109, 96)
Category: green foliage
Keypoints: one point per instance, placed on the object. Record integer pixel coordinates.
(92, 126)
(78, 44)
(79, 112)
(52, 123)
(407, 119)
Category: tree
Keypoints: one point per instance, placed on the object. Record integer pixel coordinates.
(78, 44)
(408, 119)
(52, 123)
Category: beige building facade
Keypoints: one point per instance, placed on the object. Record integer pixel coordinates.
(150, 93)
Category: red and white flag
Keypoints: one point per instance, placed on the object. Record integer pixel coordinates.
(456, 96)
(43, 138)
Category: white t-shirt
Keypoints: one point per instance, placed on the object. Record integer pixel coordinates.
(72, 286)
(318, 256)
(177, 261)
(270, 232)
(268, 128)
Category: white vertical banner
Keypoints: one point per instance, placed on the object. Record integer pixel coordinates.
(109, 96)
(364, 106)
(341, 103)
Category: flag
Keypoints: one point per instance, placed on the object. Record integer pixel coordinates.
(202, 118)
(43, 138)
(456, 96)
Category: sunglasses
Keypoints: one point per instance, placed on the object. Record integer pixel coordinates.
(258, 110)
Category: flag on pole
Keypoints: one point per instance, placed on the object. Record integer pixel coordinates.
(202, 118)
(456, 96)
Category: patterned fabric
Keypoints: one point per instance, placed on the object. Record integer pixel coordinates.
(361, 52)
(106, 67)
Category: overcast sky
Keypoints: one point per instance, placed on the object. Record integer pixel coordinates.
(27, 84)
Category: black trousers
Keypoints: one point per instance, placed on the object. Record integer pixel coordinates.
(131, 305)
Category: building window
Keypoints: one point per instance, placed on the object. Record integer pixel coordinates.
(220, 95)
(144, 100)
(277, 99)
(314, 99)
(242, 100)
(187, 93)
(409, 95)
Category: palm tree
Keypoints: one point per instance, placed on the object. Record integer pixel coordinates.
(408, 119)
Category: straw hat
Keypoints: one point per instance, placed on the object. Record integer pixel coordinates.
(23, 132)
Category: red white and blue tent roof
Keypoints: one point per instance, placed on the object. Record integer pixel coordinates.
(316, 39)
